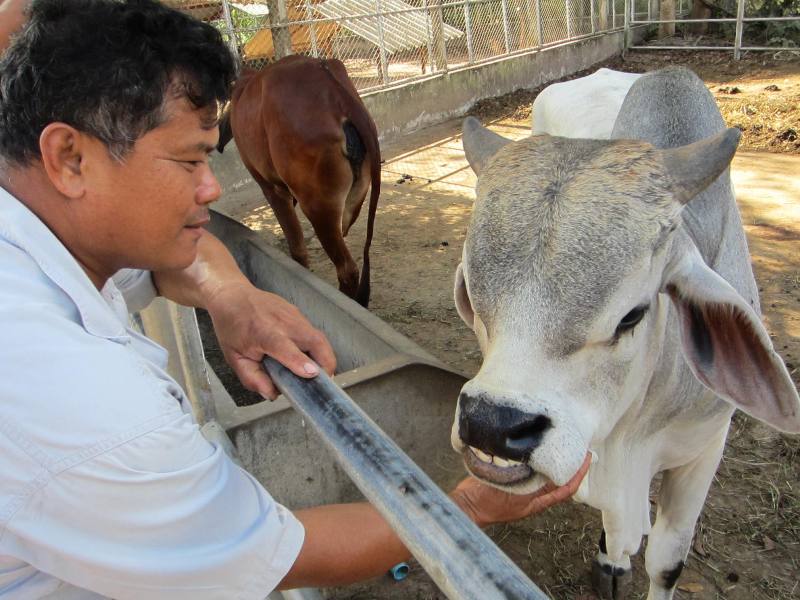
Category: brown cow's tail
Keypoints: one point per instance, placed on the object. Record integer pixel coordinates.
(225, 131)
(358, 115)
(362, 295)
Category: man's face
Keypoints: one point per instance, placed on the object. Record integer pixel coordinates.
(148, 210)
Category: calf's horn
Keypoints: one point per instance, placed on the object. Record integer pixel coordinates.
(480, 144)
(692, 168)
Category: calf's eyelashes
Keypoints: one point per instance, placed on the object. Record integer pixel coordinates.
(630, 320)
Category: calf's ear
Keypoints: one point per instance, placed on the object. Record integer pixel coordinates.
(480, 144)
(727, 347)
(463, 304)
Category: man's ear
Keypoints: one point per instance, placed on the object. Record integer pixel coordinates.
(463, 305)
(62, 148)
(727, 347)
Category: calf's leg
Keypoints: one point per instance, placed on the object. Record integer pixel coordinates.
(680, 500)
(611, 579)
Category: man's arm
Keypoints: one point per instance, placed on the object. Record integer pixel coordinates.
(249, 322)
(345, 543)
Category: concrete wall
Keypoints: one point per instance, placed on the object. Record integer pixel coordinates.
(415, 105)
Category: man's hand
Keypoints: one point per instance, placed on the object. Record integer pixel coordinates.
(486, 505)
(251, 323)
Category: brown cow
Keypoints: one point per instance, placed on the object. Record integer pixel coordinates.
(306, 137)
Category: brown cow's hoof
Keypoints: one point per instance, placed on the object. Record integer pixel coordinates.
(610, 583)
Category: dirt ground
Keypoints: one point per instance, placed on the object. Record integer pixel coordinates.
(747, 544)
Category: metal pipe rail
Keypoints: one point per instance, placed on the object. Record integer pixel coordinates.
(459, 557)
(737, 46)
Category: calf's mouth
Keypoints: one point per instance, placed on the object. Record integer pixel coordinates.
(495, 469)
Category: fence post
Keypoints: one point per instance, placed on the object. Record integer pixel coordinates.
(613, 14)
(568, 10)
(440, 52)
(602, 15)
(281, 38)
(232, 41)
(429, 35)
(382, 44)
(504, 6)
(626, 42)
(591, 15)
(666, 12)
(312, 29)
(468, 27)
(539, 25)
(737, 47)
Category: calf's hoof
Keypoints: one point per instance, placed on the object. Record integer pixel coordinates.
(609, 582)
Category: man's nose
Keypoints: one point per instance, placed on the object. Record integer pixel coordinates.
(500, 430)
(209, 190)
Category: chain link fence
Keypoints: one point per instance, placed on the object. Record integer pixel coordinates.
(387, 42)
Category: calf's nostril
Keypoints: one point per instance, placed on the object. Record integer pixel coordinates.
(527, 436)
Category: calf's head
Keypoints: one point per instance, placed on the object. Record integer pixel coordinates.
(572, 257)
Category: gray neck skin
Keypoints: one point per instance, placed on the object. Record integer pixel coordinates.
(673, 108)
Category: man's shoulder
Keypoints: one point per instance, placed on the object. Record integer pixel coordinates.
(63, 389)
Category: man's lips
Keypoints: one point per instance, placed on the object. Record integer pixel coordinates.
(197, 223)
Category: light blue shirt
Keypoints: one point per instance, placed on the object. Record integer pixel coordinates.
(106, 483)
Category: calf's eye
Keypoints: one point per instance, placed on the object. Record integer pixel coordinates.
(630, 320)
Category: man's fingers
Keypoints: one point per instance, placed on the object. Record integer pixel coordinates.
(320, 350)
(554, 495)
(254, 377)
(290, 356)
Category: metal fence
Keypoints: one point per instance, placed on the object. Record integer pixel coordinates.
(387, 42)
(742, 26)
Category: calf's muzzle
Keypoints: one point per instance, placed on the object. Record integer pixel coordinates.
(500, 430)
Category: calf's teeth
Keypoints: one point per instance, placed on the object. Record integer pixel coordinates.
(487, 458)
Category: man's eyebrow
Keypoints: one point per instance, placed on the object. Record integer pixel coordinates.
(198, 147)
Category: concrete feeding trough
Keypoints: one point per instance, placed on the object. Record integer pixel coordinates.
(409, 393)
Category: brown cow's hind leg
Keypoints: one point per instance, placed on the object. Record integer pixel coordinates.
(282, 204)
(324, 208)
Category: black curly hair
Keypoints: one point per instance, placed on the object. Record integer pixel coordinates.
(105, 67)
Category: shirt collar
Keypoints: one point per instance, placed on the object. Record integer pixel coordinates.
(22, 228)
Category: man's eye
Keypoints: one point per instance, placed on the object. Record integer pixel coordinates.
(630, 321)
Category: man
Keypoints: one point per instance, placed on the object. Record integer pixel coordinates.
(107, 116)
